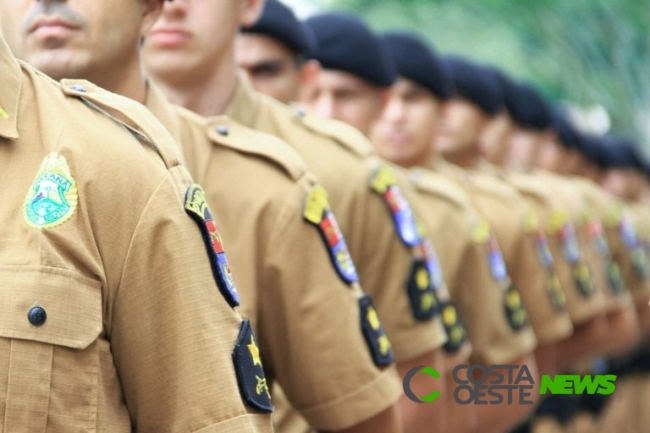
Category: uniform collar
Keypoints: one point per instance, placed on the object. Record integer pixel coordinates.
(10, 86)
(245, 103)
(163, 110)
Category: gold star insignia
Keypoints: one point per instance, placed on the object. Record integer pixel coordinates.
(373, 319)
(427, 301)
(384, 345)
(255, 352)
(422, 279)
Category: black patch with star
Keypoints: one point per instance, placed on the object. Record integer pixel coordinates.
(454, 326)
(253, 386)
(374, 333)
(422, 292)
(515, 311)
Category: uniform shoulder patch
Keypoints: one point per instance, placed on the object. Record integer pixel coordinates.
(426, 279)
(454, 326)
(253, 386)
(197, 207)
(514, 309)
(344, 134)
(374, 333)
(226, 132)
(318, 212)
(52, 198)
(383, 181)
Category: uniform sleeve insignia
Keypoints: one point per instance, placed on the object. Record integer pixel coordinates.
(456, 331)
(482, 232)
(52, 198)
(374, 333)
(253, 386)
(555, 292)
(384, 182)
(637, 254)
(318, 212)
(582, 279)
(596, 235)
(197, 207)
(514, 308)
(424, 282)
(615, 277)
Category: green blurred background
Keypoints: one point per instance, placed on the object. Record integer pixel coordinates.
(591, 54)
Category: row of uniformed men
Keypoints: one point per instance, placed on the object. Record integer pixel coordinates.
(478, 242)
(575, 201)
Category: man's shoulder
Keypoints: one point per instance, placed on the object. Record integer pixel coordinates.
(253, 147)
(439, 187)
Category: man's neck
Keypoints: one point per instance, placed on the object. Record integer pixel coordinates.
(209, 96)
(465, 158)
(127, 81)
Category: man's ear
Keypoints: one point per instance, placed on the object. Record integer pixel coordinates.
(309, 72)
(251, 12)
(151, 10)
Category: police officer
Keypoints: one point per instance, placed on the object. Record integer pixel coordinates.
(369, 201)
(403, 135)
(273, 53)
(111, 318)
(275, 210)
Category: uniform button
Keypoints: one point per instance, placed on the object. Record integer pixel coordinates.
(223, 130)
(37, 316)
(300, 112)
(78, 88)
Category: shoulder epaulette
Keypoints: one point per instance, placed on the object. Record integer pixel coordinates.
(344, 134)
(226, 132)
(134, 117)
(438, 186)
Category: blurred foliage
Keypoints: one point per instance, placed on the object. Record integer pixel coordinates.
(585, 52)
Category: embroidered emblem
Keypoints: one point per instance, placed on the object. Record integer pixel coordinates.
(514, 308)
(52, 198)
(3, 114)
(562, 228)
(197, 207)
(374, 333)
(454, 326)
(252, 382)
(555, 292)
(596, 235)
(384, 182)
(317, 211)
(637, 254)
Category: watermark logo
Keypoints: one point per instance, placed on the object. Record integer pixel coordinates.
(407, 384)
(497, 384)
(604, 384)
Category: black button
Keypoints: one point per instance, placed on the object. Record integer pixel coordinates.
(37, 316)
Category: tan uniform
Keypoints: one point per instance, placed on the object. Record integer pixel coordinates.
(483, 301)
(516, 229)
(110, 316)
(307, 316)
(372, 214)
(343, 161)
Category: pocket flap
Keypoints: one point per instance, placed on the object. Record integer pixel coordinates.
(72, 305)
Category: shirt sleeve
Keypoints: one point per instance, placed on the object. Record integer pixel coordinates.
(173, 333)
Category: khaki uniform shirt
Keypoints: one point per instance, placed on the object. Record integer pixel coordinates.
(110, 316)
(622, 223)
(573, 246)
(307, 318)
(342, 160)
(619, 280)
(481, 299)
(515, 227)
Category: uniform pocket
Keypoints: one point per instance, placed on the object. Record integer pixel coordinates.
(50, 321)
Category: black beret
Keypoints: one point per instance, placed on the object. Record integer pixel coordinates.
(591, 148)
(622, 153)
(347, 44)
(528, 107)
(418, 62)
(476, 83)
(565, 130)
(279, 22)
